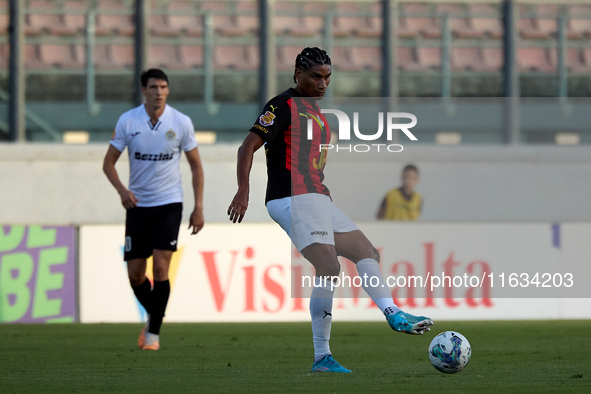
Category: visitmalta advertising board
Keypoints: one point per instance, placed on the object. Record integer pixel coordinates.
(250, 272)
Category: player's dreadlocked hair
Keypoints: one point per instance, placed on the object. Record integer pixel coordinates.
(311, 57)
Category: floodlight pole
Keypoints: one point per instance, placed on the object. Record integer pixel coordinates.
(16, 101)
(141, 47)
(267, 71)
(390, 49)
(511, 73)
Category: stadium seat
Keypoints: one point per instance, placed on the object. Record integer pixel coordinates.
(223, 23)
(492, 58)
(249, 22)
(341, 59)
(460, 26)
(574, 60)
(62, 56)
(159, 27)
(547, 19)
(164, 56)
(470, 59)
(535, 59)
(113, 57)
(102, 57)
(33, 59)
(182, 15)
(465, 59)
(407, 59)
(122, 56)
(191, 56)
(238, 58)
(347, 19)
(286, 56)
(429, 58)
(47, 21)
(367, 58)
(363, 26)
(534, 27)
(587, 59)
(313, 20)
(75, 15)
(289, 20)
(4, 19)
(111, 23)
(577, 26)
(4, 54)
(481, 22)
(411, 26)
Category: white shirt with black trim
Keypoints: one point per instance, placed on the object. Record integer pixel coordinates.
(155, 153)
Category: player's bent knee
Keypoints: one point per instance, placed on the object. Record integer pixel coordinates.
(160, 273)
(136, 278)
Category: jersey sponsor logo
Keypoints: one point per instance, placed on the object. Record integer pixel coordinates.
(134, 134)
(316, 118)
(170, 135)
(261, 128)
(273, 108)
(267, 119)
(153, 157)
(321, 162)
(321, 233)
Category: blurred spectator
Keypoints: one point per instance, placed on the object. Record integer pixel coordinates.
(403, 203)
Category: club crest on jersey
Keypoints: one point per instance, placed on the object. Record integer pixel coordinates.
(170, 135)
(267, 119)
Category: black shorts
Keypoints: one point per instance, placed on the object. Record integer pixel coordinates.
(149, 228)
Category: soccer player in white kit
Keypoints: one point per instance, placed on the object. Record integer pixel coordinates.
(300, 203)
(154, 134)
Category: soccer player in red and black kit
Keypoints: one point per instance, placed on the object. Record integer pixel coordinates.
(300, 203)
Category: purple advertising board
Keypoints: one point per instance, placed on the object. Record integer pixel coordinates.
(37, 274)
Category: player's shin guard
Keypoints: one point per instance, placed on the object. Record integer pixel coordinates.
(143, 294)
(159, 301)
(321, 312)
(379, 293)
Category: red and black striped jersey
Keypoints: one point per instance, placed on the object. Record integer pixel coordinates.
(295, 164)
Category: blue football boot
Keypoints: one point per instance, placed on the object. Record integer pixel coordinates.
(328, 364)
(410, 324)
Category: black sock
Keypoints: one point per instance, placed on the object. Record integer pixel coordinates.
(159, 300)
(143, 294)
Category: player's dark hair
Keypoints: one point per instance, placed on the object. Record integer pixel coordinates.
(155, 73)
(410, 167)
(309, 57)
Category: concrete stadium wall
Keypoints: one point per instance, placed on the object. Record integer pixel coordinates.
(64, 184)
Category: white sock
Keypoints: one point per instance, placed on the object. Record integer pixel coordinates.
(152, 337)
(321, 312)
(380, 294)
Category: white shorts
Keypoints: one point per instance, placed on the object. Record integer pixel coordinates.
(309, 218)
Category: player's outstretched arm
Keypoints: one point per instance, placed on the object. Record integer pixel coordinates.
(196, 220)
(128, 199)
(239, 204)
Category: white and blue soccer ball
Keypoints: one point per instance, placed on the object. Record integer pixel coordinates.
(450, 352)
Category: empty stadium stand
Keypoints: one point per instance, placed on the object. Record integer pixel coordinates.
(56, 33)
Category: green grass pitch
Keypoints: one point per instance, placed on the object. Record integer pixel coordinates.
(512, 357)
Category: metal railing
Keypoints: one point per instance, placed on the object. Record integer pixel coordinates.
(390, 13)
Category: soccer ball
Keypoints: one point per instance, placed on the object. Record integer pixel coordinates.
(450, 352)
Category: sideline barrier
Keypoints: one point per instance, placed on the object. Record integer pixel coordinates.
(243, 273)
